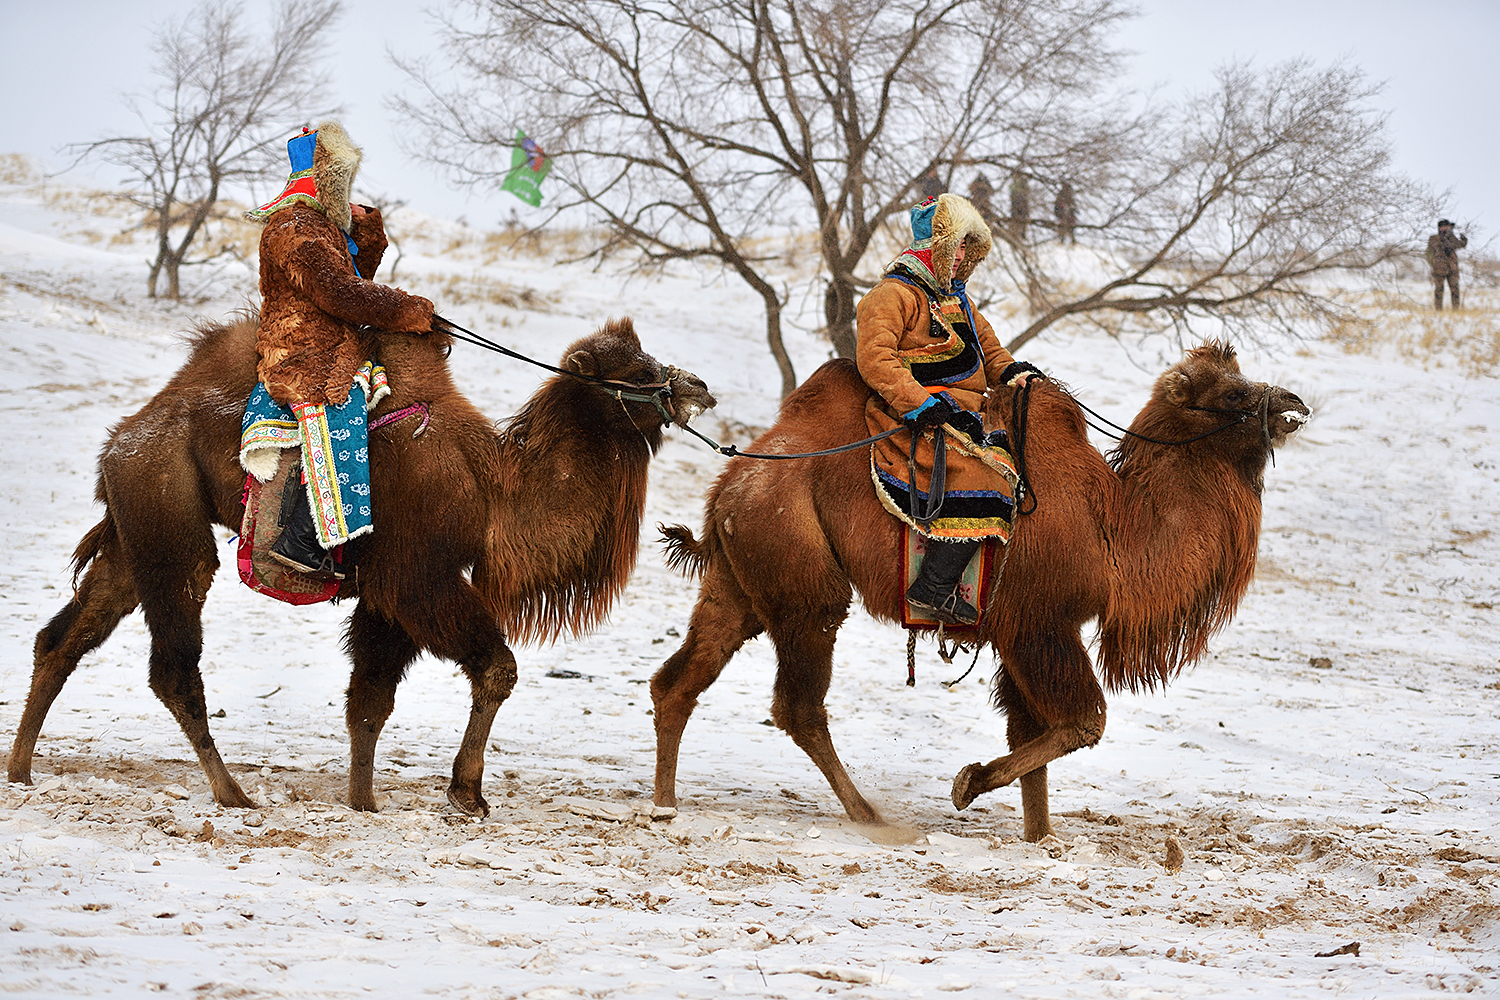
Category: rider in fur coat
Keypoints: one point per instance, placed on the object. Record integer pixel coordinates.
(931, 357)
(318, 317)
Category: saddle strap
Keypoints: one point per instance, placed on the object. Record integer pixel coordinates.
(925, 514)
(401, 414)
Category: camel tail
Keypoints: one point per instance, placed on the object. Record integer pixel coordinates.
(90, 545)
(685, 554)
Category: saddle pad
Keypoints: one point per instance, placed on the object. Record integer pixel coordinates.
(974, 587)
(259, 531)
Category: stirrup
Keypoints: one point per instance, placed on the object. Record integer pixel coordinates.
(953, 610)
(326, 568)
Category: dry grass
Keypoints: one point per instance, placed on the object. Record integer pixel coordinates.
(459, 289)
(18, 168)
(1469, 337)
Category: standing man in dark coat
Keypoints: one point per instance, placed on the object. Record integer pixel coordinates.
(1066, 210)
(931, 184)
(1020, 206)
(1442, 257)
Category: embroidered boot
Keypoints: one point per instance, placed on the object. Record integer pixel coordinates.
(935, 591)
(298, 546)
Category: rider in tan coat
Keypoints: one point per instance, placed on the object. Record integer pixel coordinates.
(931, 357)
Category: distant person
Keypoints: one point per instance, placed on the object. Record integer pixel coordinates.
(1020, 206)
(981, 191)
(932, 185)
(1066, 211)
(1442, 257)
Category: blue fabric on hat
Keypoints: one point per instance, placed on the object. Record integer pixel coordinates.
(299, 149)
(921, 220)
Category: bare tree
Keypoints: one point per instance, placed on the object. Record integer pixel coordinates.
(217, 118)
(1245, 211)
(698, 128)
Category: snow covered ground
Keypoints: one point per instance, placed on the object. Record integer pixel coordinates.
(1330, 771)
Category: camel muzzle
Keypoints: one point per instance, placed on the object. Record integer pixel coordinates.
(1287, 414)
(690, 396)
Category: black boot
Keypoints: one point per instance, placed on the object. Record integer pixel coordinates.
(935, 590)
(298, 546)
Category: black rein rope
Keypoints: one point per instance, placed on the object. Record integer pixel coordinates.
(656, 392)
(660, 390)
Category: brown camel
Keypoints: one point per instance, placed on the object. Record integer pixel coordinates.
(481, 534)
(1157, 544)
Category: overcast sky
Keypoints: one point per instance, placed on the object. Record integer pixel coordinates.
(64, 65)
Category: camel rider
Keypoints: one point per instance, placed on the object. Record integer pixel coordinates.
(318, 317)
(930, 356)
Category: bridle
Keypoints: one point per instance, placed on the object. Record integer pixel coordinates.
(658, 394)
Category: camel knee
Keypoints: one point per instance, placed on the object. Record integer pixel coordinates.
(799, 719)
(1089, 731)
(496, 679)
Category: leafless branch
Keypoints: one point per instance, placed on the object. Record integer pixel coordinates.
(225, 99)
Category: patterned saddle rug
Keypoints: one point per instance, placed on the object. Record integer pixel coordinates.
(267, 507)
(974, 587)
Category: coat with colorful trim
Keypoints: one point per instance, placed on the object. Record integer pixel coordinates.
(915, 343)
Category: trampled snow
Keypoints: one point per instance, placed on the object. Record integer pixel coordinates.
(1329, 771)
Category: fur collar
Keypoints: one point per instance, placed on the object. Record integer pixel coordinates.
(957, 221)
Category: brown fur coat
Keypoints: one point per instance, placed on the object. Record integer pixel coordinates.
(314, 304)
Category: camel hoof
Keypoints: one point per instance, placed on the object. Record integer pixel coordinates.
(468, 802)
(235, 798)
(963, 792)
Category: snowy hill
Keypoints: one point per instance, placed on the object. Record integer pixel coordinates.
(1329, 771)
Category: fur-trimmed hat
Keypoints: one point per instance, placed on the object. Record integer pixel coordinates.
(938, 226)
(324, 161)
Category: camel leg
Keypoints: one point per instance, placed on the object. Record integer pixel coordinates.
(492, 677)
(804, 667)
(1021, 727)
(380, 651)
(722, 622)
(1053, 709)
(173, 582)
(105, 596)
(452, 622)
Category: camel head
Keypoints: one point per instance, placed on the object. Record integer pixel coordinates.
(614, 353)
(1205, 391)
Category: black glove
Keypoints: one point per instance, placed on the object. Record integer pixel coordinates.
(1017, 368)
(935, 411)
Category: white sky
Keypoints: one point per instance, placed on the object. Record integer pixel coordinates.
(64, 65)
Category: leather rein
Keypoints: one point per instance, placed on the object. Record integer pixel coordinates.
(659, 394)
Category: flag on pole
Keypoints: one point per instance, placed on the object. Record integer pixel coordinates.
(528, 165)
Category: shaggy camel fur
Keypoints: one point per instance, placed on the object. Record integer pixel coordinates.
(1157, 544)
(481, 534)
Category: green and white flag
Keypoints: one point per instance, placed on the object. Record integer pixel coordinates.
(528, 165)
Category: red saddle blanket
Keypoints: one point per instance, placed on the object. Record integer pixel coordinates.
(974, 587)
(259, 531)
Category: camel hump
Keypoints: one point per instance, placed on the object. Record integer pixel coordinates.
(835, 381)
